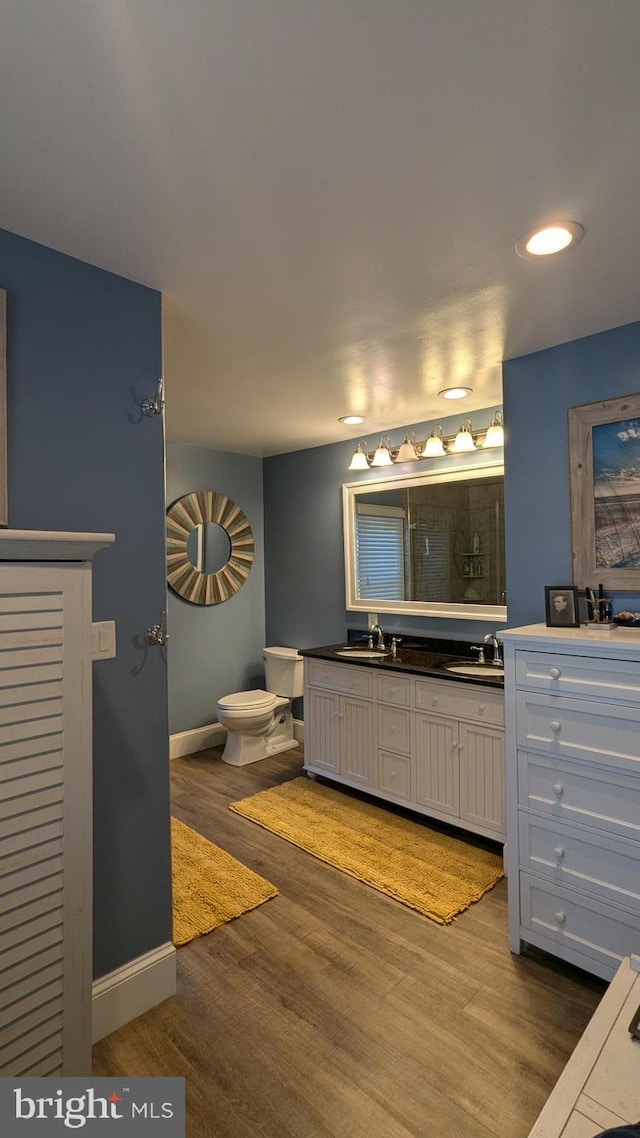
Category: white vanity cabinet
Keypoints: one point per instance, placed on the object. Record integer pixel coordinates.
(573, 803)
(340, 734)
(434, 746)
(45, 802)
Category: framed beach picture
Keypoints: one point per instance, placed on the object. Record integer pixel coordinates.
(604, 484)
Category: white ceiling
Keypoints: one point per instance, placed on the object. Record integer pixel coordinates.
(328, 192)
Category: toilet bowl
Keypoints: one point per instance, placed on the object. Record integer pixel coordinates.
(260, 723)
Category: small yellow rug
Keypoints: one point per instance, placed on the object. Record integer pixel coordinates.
(432, 872)
(209, 886)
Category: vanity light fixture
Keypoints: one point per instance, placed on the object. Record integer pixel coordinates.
(408, 450)
(455, 392)
(382, 456)
(550, 239)
(434, 445)
(495, 432)
(360, 460)
(351, 420)
(464, 440)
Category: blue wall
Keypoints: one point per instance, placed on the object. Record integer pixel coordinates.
(84, 348)
(304, 558)
(216, 649)
(538, 390)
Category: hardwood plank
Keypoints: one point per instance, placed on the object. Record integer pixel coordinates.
(334, 1011)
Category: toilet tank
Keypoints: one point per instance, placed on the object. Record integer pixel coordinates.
(284, 671)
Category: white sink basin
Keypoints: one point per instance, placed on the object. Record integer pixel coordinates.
(475, 670)
(362, 653)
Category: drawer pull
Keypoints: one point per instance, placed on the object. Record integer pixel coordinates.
(555, 726)
(558, 788)
(482, 708)
(393, 691)
(558, 852)
(435, 700)
(555, 673)
(394, 774)
(339, 714)
(560, 917)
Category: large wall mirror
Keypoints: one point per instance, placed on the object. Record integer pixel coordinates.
(209, 547)
(431, 544)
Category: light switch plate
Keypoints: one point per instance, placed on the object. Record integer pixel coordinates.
(372, 618)
(103, 640)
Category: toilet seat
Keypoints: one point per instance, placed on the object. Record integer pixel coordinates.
(256, 700)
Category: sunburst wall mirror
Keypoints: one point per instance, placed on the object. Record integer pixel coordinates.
(210, 547)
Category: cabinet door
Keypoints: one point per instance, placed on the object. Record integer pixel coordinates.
(322, 730)
(358, 744)
(482, 778)
(45, 818)
(437, 766)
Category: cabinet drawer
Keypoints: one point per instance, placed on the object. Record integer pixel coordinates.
(600, 733)
(602, 800)
(577, 923)
(394, 775)
(347, 678)
(464, 701)
(576, 857)
(394, 729)
(394, 689)
(614, 681)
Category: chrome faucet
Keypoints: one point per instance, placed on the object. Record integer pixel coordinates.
(375, 628)
(495, 644)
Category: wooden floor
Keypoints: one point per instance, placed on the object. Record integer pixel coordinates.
(333, 1011)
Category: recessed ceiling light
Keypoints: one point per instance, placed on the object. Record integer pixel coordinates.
(455, 392)
(351, 420)
(554, 238)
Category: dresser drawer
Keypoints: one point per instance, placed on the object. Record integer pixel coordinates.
(575, 923)
(347, 678)
(394, 689)
(571, 792)
(394, 729)
(601, 733)
(614, 681)
(394, 775)
(464, 701)
(581, 859)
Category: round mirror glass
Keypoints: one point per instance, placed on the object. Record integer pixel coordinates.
(208, 547)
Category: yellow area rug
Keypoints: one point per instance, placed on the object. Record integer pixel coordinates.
(209, 886)
(432, 872)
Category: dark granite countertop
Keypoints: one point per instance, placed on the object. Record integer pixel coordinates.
(424, 658)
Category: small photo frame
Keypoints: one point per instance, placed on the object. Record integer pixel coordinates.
(561, 606)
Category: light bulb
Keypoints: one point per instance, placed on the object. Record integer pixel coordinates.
(434, 445)
(382, 457)
(407, 451)
(464, 439)
(359, 460)
(495, 432)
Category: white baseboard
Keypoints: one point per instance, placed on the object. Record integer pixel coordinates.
(126, 993)
(214, 735)
(198, 739)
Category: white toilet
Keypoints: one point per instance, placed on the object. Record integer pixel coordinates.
(260, 723)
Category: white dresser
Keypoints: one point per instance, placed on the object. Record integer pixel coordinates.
(45, 802)
(435, 746)
(572, 713)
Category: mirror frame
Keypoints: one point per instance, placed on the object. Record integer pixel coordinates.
(183, 516)
(351, 490)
